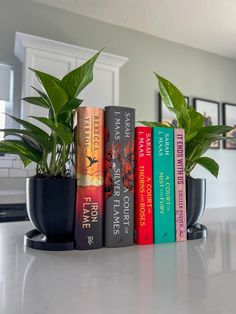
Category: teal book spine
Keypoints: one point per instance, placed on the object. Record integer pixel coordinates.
(163, 185)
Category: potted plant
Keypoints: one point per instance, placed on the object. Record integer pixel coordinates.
(50, 194)
(198, 139)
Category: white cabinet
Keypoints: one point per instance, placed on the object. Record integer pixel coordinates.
(59, 58)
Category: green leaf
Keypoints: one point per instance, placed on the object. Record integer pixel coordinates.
(171, 95)
(60, 129)
(213, 130)
(26, 137)
(198, 138)
(29, 126)
(38, 101)
(196, 147)
(14, 131)
(183, 120)
(201, 142)
(40, 76)
(209, 164)
(35, 132)
(41, 94)
(72, 104)
(25, 161)
(45, 144)
(175, 102)
(75, 81)
(155, 124)
(196, 123)
(54, 91)
(18, 147)
(65, 118)
(32, 143)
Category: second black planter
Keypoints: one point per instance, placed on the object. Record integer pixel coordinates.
(196, 201)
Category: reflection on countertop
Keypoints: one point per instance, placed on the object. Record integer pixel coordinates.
(13, 212)
(178, 278)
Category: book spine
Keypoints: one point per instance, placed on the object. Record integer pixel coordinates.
(180, 186)
(90, 177)
(143, 186)
(119, 176)
(163, 185)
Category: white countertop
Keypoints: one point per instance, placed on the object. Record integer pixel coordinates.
(177, 278)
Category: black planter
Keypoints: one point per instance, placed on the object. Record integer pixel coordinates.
(196, 201)
(50, 205)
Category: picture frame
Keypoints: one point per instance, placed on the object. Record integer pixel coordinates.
(164, 115)
(210, 109)
(229, 118)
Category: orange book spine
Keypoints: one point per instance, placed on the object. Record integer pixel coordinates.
(89, 174)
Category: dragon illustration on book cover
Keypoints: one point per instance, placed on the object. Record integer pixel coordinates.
(125, 157)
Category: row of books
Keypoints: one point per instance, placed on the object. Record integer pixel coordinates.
(130, 181)
(160, 189)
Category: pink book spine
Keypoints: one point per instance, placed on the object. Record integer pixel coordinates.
(180, 186)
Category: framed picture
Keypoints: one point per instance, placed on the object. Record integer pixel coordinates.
(164, 114)
(229, 118)
(211, 111)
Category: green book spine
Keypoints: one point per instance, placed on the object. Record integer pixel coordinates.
(163, 185)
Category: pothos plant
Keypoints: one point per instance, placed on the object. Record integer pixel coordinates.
(198, 137)
(50, 150)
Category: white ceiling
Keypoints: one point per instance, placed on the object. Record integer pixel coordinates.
(206, 24)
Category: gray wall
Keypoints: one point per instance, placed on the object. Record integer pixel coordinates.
(195, 72)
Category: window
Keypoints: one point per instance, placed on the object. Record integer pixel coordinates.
(6, 94)
(2, 120)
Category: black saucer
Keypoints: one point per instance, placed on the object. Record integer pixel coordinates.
(197, 231)
(36, 240)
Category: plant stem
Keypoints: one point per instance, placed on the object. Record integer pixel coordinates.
(37, 168)
(53, 155)
(52, 165)
(59, 159)
(44, 162)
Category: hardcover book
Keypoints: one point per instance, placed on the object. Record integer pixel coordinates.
(163, 185)
(119, 176)
(143, 186)
(90, 178)
(180, 186)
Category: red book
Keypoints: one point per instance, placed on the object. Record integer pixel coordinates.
(143, 186)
